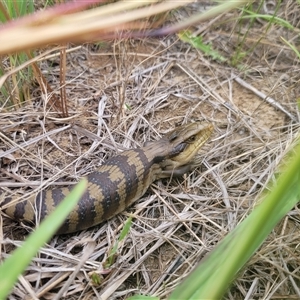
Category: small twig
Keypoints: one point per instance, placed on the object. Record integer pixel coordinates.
(268, 99)
(161, 76)
(225, 198)
(63, 93)
(139, 73)
(53, 282)
(32, 141)
(34, 183)
(104, 141)
(88, 250)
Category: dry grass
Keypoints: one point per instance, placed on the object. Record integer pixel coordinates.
(129, 92)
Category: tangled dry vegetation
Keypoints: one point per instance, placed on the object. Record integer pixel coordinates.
(124, 93)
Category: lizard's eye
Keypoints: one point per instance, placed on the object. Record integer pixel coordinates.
(191, 139)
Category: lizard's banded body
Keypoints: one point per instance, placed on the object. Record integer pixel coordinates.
(120, 181)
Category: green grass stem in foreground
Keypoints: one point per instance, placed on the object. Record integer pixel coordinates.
(211, 278)
(213, 275)
(13, 266)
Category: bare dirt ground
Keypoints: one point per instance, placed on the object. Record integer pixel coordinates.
(121, 94)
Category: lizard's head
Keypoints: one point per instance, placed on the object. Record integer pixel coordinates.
(176, 150)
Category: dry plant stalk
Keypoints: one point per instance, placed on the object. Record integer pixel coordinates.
(82, 26)
(106, 22)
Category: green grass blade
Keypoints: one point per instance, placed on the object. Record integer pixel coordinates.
(112, 253)
(213, 276)
(269, 18)
(125, 229)
(197, 42)
(292, 47)
(13, 266)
